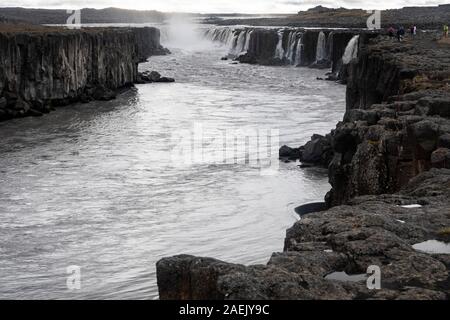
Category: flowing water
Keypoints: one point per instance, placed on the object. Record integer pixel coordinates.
(92, 185)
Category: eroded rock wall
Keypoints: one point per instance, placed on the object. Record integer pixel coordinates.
(43, 69)
(397, 120)
(283, 46)
(370, 231)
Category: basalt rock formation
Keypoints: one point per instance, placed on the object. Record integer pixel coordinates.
(389, 204)
(149, 43)
(397, 118)
(42, 68)
(152, 76)
(322, 249)
(286, 46)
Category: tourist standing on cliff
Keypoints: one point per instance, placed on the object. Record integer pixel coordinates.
(445, 30)
(400, 33)
(391, 32)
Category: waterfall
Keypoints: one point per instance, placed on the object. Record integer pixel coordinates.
(247, 40)
(321, 51)
(240, 42)
(351, 51)
(279, 51)
(290, 52)
(219, 34)
(291, 47)
(330, 46)
(234, 40)
(298, 54)
(233, 43)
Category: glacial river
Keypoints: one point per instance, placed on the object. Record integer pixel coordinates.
(95, 185)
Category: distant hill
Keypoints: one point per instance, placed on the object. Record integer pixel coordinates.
(107, 15)
(424, 17)
(3, 19)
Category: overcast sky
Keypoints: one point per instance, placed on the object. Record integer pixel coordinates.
(242, 6)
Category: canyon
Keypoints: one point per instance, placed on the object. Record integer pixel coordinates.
(388, 160)
(46, 67)
(389, 168)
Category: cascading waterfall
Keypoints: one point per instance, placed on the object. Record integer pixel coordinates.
(288, 52)
(279, 51)
(219, 34)
(240, 42)
(291, 47)
(298, 54)
(230, 39)
(247, 40)
(233, 43)
(321, 51)
(330, 46)
(351, 51)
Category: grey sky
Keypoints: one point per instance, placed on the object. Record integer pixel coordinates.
(242, 6)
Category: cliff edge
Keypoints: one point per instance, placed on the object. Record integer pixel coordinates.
(45, 67)
(389, 166)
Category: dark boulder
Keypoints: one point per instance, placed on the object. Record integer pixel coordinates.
(152, 76)
(289, 153)
(317, 151)
(246, 58)
(310, 208)
(436, 106)
(186, 277)
(425, 135)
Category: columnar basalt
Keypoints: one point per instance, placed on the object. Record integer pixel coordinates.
(324, 249)
(285, 46)
(53, 66)
(396, 121)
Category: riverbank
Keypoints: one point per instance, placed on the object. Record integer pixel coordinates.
(46, 67)
(390, 177)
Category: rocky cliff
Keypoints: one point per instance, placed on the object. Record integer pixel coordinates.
(286, 46)
(389, 167)
(327, 254)
(397, 121)
(41, 68)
